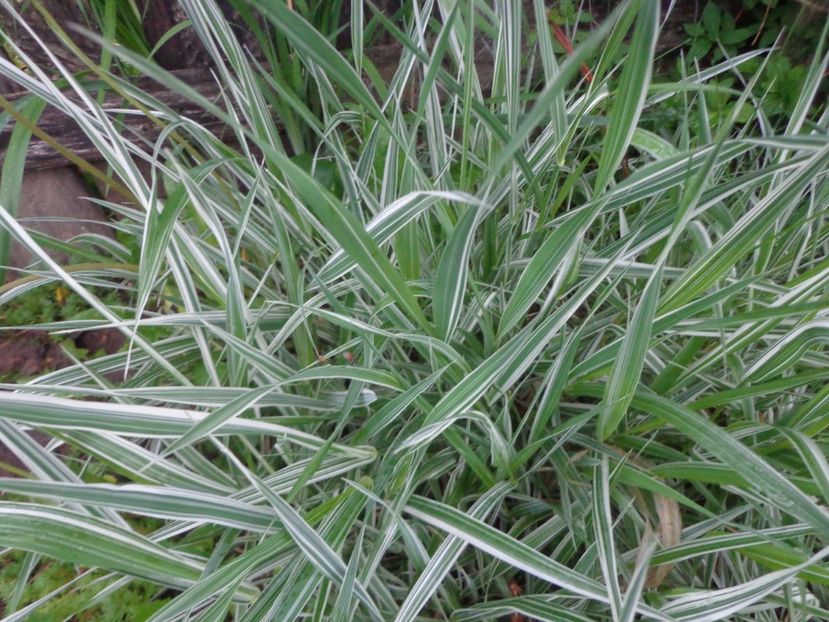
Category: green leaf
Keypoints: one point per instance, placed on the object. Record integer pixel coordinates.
(86, 541)
(11, 175)
(647, 546)
(445, 557)
(713, 605)
(343, 227)
(540, 270)
(739, 239)
(158, 501)
(142, 421)
(318, 552)
(218, 418)
(553, 90)
(452, 273)
(759, 474)
(315, 48)
(537, 607)
(652, 144)
(624, 377)
(508, 549)
(629, 97)
(711, 19)
(700, 48)
(603, 528)
(158, 230)
(738, 35)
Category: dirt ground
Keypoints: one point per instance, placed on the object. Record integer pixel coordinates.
(26, 353)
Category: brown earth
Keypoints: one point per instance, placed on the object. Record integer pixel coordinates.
(26, 353)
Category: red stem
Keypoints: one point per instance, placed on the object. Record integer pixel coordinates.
(565, 42)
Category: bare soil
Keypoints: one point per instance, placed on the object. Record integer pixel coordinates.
(27, 353)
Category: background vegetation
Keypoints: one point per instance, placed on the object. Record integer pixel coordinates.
(549, 349)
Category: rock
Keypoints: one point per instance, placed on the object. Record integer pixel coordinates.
(53, 202)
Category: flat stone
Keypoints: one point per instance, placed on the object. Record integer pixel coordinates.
(54, 202)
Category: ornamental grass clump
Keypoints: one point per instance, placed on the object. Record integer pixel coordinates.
(464, 344)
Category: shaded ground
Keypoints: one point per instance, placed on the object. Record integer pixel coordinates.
(26, 353)
(29, 352)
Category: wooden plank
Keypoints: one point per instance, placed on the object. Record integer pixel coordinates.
(162, 14)
(64, 130)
